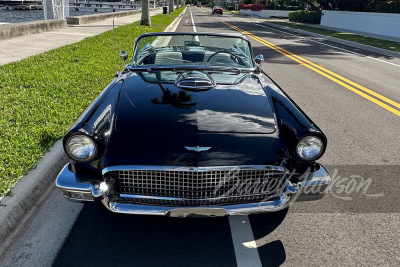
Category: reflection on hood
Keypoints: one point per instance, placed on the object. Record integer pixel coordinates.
(215, 121)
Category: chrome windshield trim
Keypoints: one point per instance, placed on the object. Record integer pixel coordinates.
(191, 169)
(152, 68)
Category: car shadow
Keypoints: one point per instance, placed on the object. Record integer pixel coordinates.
(272, 253)
(100, 237)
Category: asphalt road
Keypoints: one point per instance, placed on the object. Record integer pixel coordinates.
(356, 224)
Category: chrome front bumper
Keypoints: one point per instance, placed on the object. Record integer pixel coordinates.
(312, 187)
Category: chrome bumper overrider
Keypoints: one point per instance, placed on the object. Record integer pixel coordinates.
(312, 188)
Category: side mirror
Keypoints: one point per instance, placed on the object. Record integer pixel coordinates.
(259, 59)
(124, 56)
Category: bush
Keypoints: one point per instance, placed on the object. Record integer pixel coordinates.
(305, 16)
(353, 5)
(389, 7)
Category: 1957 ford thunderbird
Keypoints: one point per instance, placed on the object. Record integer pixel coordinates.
(193, 126)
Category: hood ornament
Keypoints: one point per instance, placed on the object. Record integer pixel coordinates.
(198, 148)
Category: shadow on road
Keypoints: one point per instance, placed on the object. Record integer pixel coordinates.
(100, 237)
(272, 253)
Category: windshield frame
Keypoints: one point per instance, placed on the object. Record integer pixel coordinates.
(132, 66)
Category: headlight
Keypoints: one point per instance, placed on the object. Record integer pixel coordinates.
(81, 148)
(310, 148)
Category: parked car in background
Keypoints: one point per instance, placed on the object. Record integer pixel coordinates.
(198, 4)
(217, 10)
(193, 126)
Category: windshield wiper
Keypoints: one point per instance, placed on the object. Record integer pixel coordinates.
(187, 68)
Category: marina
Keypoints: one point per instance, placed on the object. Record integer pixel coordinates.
(24, 11)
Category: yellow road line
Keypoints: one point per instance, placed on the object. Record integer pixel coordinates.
(327, 73)
(201, 10)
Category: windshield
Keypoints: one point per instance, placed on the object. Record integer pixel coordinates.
(196, 50)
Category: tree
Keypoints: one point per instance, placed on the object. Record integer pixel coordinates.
(170, 6)
(311, 3)
(145, 20)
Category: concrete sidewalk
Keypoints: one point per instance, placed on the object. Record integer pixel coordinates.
(20, 47)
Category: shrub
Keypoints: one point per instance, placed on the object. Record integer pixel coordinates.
(305, 16)
(389, 7)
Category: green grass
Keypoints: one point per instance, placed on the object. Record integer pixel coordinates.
(389, 45)
(41, 96)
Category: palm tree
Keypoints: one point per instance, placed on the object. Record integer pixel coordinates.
(145, 20)
(171, 6)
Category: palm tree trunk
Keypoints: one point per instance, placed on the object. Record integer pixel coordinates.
(171, 6)
(145, 13)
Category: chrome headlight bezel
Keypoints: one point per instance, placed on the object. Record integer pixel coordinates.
(91, 147)
(313, 141)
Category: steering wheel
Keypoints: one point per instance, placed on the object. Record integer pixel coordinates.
(226, 52)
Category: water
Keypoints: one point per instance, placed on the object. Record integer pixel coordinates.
(13, 16)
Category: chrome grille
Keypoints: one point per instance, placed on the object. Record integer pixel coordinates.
(186, 187)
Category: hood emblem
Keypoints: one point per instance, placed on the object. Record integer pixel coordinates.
(198, 148)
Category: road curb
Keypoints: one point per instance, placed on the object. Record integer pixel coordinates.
(28, 190)
(381, 51)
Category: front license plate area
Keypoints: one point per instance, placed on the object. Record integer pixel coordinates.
(197, 212)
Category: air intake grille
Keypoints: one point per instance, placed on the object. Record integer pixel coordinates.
(195, 84)
(195, 188)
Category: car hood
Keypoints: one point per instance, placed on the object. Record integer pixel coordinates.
(158, 124)
(164, 108)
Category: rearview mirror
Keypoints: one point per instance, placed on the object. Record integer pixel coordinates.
(124, 56)
(259, 59)
(191, 43)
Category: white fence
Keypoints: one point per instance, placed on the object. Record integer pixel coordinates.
(266, 13)
(368, 22)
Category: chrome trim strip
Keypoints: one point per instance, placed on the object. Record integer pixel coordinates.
(200, 199)
(152, 197)
(193, 169)
(194, 87)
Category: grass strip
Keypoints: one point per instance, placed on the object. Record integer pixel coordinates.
(41, 96)
(236, 13)
(384, 44)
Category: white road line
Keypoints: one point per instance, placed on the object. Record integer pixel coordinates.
(243, 242)
(348, 51)
(194, 26)
(191, 15)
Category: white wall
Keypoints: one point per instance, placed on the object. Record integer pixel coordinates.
(369, 22)
(266, 13)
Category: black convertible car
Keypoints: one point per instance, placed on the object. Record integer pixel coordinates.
(192, 126)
